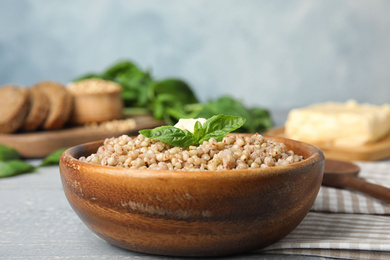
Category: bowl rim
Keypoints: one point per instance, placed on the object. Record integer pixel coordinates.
(67, 158)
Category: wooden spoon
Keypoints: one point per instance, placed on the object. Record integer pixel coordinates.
(341, 174)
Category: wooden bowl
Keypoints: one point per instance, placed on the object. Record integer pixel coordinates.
(96, 107)
(201, 213)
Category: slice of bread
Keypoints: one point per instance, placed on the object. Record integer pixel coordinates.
(13, 109)
(38, 109)
(60, 104)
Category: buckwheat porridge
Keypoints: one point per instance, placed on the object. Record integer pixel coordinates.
(233, 152)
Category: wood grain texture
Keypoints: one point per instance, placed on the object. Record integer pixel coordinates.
(41, 143)
(204, 213)
(369, 152)
(341, 174)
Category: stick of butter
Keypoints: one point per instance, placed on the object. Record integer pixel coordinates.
(339, 124)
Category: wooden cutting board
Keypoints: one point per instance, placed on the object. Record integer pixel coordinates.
(41, 144)
(369, 152)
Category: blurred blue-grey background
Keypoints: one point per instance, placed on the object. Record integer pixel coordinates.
(276, 54)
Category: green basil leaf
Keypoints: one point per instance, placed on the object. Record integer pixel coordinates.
(15, 167)
(158, 110)
(53, 158)
(8, 153)
(216, 127)
(257, 119)
(168, 94)
(137, 83)
(220, 125)
(176, 88)
(261, 119)
(119, 68)
(170, 135)
(198, 131)
(88, 76)
(224, 105)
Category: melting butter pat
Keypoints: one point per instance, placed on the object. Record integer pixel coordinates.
(339, 124)
(189, 124)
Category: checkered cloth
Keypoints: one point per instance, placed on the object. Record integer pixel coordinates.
(343, 223)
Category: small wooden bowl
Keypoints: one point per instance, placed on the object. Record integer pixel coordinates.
(202, 213)
(96, 107)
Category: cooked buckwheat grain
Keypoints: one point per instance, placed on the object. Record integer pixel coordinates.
(233, 152)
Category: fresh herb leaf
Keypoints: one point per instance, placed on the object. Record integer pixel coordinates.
(220, 125)
(257, 119)
(261, 119)
(174, 88)
(216, 127)
(8, 153)
(89, 76)
(15, 167)
(53, 158)
(169, 94)
(135, 84)
(170, 135)
(198, 131)
(228, 106)
(10, 163)
(119, 68)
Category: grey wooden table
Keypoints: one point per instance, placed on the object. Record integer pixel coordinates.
(36, 222)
